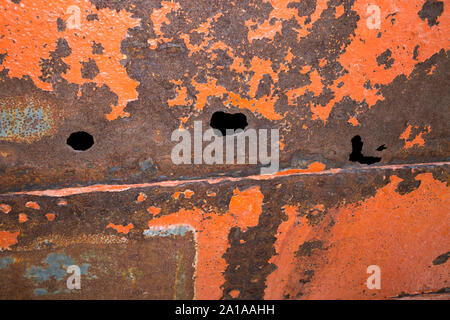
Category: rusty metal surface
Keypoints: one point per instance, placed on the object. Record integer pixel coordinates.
(131, 72)
(295, 236)
(136, 70)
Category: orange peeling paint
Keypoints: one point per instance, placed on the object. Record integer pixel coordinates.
(315, 86)
(264, 105)
(402, 234)
(8, 239)
(141, 197)
(353, 121)
(187, 194)
(121, 229)
(180, 98)
(23, 218)
(176, 195)
(282, 11)
(306, 22)
(313, 167)
(205, 90)
(339, 11)
(260, 67)
(234, 293)
(264, 30)
(159, 16)
(5, 208)
(154, 210)
(418, 140)
(31, 34)
(238, 65)
(292, 231)
(211, 232)
(400, 37)
(50, 216)
(32, 205)
(255, 72)
(62, 203)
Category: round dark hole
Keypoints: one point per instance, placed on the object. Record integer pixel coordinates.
(223, 121)
(80, 141)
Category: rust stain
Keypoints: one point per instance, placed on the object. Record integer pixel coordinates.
(59, 241)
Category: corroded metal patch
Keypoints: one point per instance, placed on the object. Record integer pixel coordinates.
(357, 89)
(132, 72)
(110, 268)
(295, 236)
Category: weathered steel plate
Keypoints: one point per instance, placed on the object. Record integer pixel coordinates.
(357, 89)
(131, 72)
(301, 235)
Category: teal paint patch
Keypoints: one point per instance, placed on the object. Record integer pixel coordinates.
(57, 264)
(84, 269)
(40, 292)
(24, 123)
(148, 166)
(6, 262)
(44, 292)
(175, 230)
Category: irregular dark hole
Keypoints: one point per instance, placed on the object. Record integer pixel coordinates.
(223, 121)
(441, 259)
(381, 148)
(80, 141)
(357, 156)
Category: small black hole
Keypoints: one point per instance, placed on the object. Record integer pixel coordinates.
(357, 156)
(80, 141)
(222, 121)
